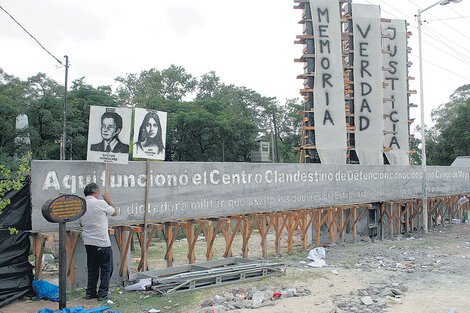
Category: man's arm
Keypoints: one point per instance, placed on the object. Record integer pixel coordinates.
(106, 198)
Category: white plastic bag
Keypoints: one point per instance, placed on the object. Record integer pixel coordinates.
(316, 254)
(141, 285)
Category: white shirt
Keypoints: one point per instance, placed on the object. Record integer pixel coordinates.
(95, 222)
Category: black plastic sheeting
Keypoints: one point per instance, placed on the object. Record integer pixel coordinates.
(16, 273)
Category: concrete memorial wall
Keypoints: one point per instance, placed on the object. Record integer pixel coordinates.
(188, 190)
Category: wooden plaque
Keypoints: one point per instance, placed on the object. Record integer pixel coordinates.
(64, 208)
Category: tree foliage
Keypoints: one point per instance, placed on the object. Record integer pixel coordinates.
(450, 135)
(208, 120)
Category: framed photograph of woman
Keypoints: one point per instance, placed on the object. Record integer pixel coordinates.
(149, 134)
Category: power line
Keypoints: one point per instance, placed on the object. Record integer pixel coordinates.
(37, 41)
(442, 20)
(452, 53)
(449, 18)
(460, 15)
(401, 12)
(441, 40)
(444, 69)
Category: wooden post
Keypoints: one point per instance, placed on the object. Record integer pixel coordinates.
(227, 235)
(419, 208)
(390, 218)
(71, 243)
(290, 232)
(341, 222)
(277, 244)
(209, 235)
(354, 224)
(304, 228)
(318, 217)
(229, 245)
(147, 187)
(398, 217)
(39, 242)
(263, 233)
(190, 238)
(407, 216)
(245, 232)
(382, 220)
(169, 245)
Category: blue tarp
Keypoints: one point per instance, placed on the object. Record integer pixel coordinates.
(46, 290)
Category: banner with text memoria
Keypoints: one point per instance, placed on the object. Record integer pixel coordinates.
(190, 190)
(368, 104)
(330, 117)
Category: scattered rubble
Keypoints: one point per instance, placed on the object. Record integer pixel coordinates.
(251, 298)
(370, 300)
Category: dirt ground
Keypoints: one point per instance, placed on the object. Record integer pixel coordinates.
(431, 271)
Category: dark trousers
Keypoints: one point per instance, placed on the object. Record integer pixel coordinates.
(100, 265)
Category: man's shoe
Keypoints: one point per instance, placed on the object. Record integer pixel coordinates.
(102, 298)
(89, 297)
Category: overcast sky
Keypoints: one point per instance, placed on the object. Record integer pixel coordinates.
(247, 43)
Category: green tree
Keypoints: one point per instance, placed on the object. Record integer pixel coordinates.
(450, 135)
(80, 97)
(12, 104)
(44, 101)
(151, 89)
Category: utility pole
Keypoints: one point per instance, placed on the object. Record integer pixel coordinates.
(64, 130)
(421, 97)
(275, 136)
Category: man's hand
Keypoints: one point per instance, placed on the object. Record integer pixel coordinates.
(106, 197)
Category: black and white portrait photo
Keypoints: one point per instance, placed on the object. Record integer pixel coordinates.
(109, 134)
(149, 134)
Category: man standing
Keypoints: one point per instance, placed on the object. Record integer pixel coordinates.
(111, 126)
(97, 244)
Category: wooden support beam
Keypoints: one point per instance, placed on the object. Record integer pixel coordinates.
(190, 238)
(263, 232)
(226, 231)
(245, 235)
(210, 245)
(170, 237)
(71, 245)
(228, 247)
(123, 245)
(153, 229)
(303, 217)
(278, 231)
(39, 243)
(341, 222)
(290, 231)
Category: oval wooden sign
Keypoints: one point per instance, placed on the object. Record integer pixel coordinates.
(64, 208)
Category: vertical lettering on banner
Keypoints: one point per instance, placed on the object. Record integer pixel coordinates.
(395, 93)
(330, 119)
(368, 108)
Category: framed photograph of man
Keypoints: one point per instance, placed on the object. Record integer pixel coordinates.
(109, 131)
(149, 134)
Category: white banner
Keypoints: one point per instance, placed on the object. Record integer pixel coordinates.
(149, 134)
(368, 108)
(109, 131)
(330, 117)
(203, 189)
(396, 92)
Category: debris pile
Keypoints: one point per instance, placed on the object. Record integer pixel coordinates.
(370, 300)
(251, 298)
